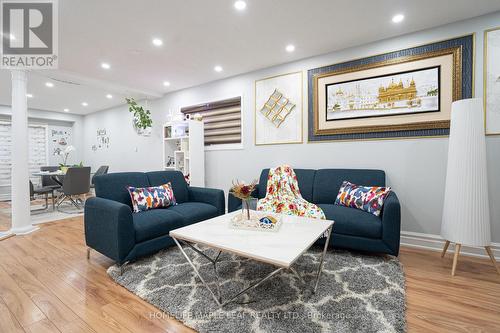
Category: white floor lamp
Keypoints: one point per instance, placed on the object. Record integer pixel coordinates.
(466, 214)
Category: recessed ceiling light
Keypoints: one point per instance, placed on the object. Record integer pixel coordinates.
(66, 110)
(157, 42)
(49, 84)
(398, 18)
(240, 5)
(85, 104)
(218, 68)
(290, 48)
(109, 96)
(105, 65)
(166, 83)
(29, 95)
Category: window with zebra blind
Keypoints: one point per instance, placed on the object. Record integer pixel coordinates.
(38, 154)
(221, 119)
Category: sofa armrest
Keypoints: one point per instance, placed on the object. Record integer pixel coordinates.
(233, 203)
(391, 223)
(109, 228)
(210, 196)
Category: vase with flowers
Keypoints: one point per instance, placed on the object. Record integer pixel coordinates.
(64, 155)
(244, 192)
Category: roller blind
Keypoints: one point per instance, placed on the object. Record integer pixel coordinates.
(221, 119)
(38, 154)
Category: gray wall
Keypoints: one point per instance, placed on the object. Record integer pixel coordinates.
(416, 168)
(55, 119)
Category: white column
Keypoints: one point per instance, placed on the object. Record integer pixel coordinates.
(21, 221)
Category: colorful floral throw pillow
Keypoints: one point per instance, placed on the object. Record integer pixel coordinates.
(367, 198)
(145, 198)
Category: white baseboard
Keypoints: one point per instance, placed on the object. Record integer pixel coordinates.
(436, 243)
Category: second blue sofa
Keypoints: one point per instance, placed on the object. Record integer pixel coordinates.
(353, 229)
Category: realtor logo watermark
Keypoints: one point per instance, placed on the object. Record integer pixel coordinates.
(29, 34)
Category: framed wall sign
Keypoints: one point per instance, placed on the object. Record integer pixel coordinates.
(278, 109)
(404, 93)
(491, 76)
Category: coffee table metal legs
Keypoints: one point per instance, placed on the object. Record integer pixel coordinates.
(267, 277)
(218, 299)
(320, 269)
(196, 271)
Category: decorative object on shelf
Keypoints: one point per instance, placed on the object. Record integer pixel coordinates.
(243, 191)
(169, 161)
(67, 151)
(466, 214)
(278, 109)
(142, 117)
(491, 76)
(184, 150)
(406, 93)
(257, 221)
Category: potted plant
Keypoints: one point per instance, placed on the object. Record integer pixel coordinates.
(65, 154)
(142, 117)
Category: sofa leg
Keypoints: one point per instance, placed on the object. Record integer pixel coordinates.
(88, 253)
(122, 267)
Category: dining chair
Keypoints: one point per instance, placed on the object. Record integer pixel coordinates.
(45, 191)
(48, 181)
(76, 182)
(103, 169)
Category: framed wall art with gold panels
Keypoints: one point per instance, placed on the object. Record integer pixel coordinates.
(406, 93)
(492, 81)
(278, 109)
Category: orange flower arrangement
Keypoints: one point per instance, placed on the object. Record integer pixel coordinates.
(241, 190)
(244, 192)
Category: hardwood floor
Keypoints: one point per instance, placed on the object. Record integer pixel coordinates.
(48, 285)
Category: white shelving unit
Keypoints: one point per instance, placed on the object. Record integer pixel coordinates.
(184, 149)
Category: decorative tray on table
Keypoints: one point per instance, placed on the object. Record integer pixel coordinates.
(260, 221)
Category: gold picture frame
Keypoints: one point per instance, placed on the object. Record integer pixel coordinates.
(456, 53)
(485, 79)
(298, 110)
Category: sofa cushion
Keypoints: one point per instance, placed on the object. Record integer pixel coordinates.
(367, 198)
(113, 186)
(155, 223)
(327, 182)
(352, 221)
(305, 178)
(176, 178)
(151, 197)
(193, 212)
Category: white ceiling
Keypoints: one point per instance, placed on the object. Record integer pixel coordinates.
(199, 34)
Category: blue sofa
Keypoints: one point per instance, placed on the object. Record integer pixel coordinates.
(353, 228)
(112, 229)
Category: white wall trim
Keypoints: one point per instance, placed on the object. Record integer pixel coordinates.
(436, 243)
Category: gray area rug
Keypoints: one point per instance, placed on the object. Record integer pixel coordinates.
(356, 293)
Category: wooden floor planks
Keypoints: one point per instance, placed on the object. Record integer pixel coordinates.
(48, 285)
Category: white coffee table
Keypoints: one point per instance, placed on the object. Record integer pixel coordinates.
(281, 248)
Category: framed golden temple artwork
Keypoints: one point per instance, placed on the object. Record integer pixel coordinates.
(410, 92)
(405, 93)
